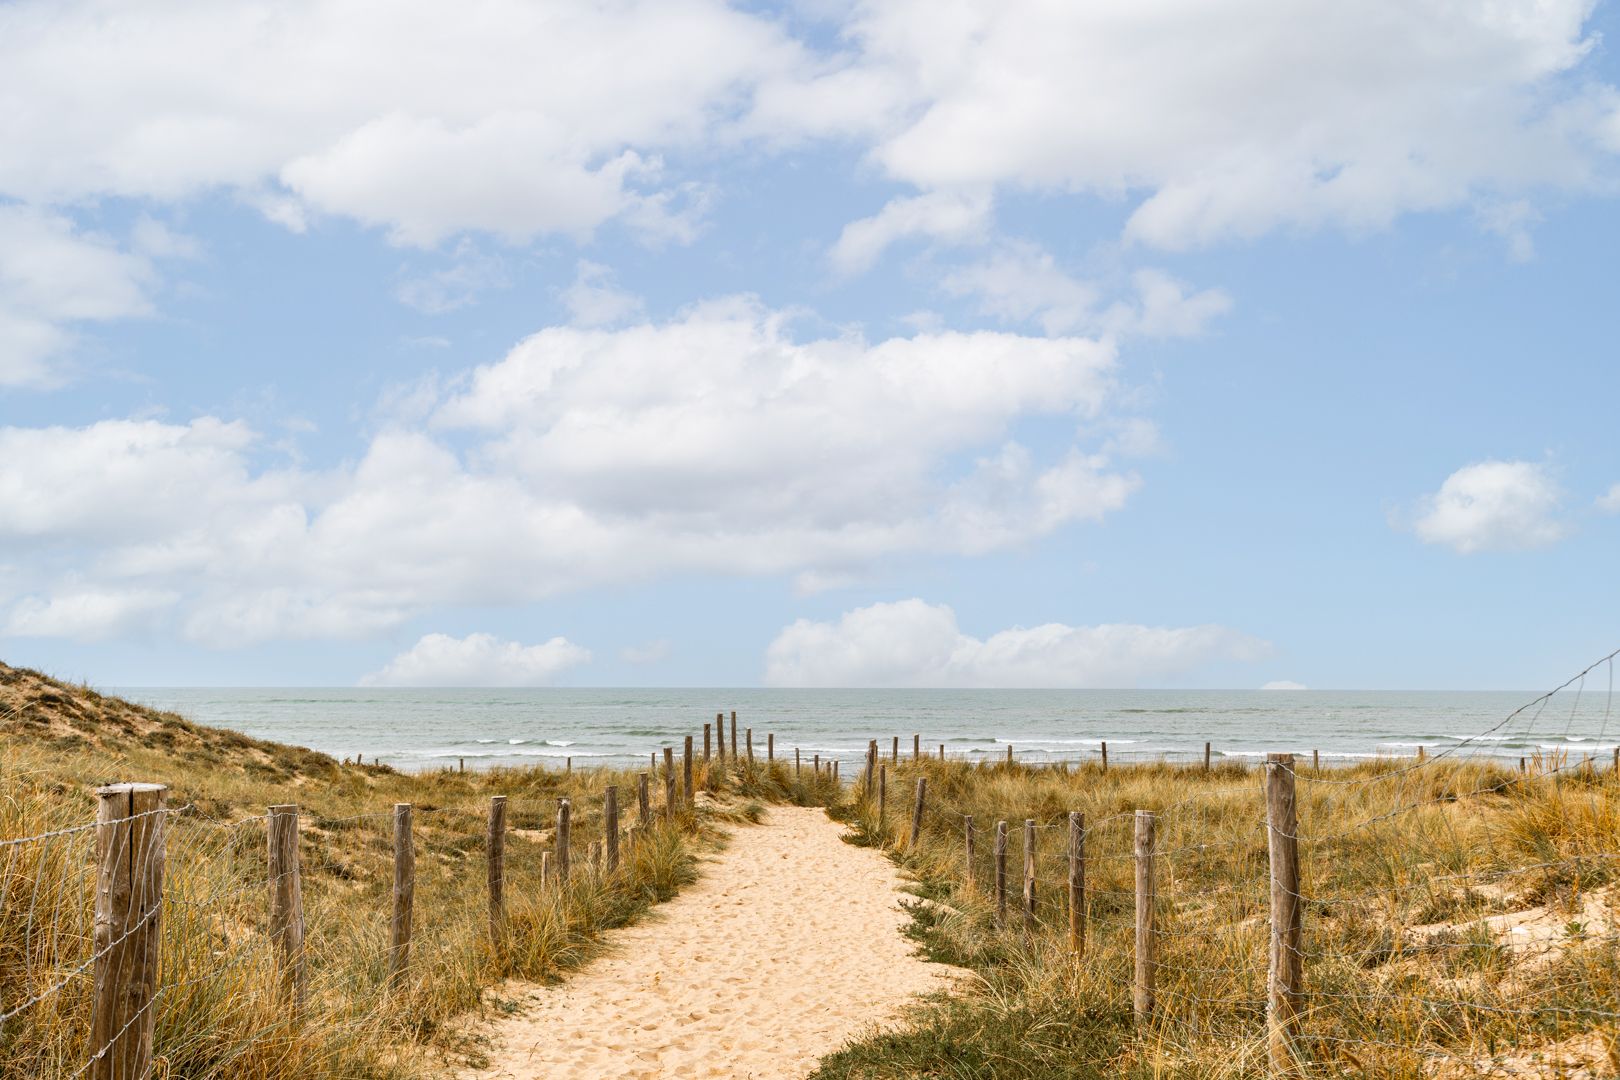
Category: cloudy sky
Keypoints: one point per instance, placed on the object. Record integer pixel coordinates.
(946, 343)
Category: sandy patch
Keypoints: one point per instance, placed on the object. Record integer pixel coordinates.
(788, 946)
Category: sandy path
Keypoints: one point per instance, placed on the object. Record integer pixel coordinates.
(788, 945)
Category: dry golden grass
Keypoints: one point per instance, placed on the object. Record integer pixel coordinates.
(221, 1013)
(1462, 919)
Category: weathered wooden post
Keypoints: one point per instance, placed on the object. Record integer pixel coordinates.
(705, 744)
(1077, 882)
(1029, 875)
(734, 747)
(815, 766)
(669, 783)
(1285, 982)
(1147, 934)
(967, 845)
(770, 746)
(1001, 873)
(399, 928)
(720, 723)
(942, 751)
(1206, 757)
(871, 769)
(564, 812)
(796, 766)
(1105, 756)
(1009, 756)
(749, 733)
(495, 860)
(916, 748)
(897, 749)
(917, 813)
(610, 826)
(287, 900)
(691, 794)
(130, 852)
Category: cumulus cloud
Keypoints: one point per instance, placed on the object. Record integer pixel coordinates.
(478, 660)
(594, 300)
(948, 216)
(1235, 118)
(913, 643)
(1494, 506)
(715, 443)
(52, 277)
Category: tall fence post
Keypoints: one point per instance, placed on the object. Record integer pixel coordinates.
(287, 900)
(734, 747)
(917, 812)
(796, 765)
(1001, 873)
(916, 748)
(1077, 882)
(1105, 756)
(1206, 757)
(495, 859)
(564, 813)
(1286, 978)
(1029, 874)
(610, 826)
(720, 723)
(399, 928)
(644, 802)
(1147, 932)
(770, 746)
(749, 733)
(897, 749)
(669, 783)
(130, 851)
(706, 744)
(967, 848)
(871, 768)
(686, 767)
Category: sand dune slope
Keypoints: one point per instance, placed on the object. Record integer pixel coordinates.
(789, 945)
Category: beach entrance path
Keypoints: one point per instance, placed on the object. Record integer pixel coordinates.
(787, 946)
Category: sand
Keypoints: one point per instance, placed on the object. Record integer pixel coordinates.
(787, 946)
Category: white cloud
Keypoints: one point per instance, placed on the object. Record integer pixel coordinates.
(1494, 505)
(712, 444)
(1236, 118)
(594, 300)
(1609, 501)
(53, 277)
(948, 216)
(648, 652)
(1284, 684)
(913, 643)
(478, 660)
(457, 285)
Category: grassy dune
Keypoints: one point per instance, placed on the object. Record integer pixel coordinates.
(1415, 877)
(221, 1014)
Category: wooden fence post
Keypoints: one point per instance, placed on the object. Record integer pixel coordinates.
(669, 783)
(871, 768)
(1105, 756)
(1286, 977)
(1147, 943)
(1316, 760)
(770, 746)
(643, 802)
(564, 813)
(610, 826)
(706, 737)
(691, 795)
(897, 749)
(399, 929)
(967, 837)
(720, 723)
(942, 751)
(1009, 756)
(917, 812)
(734, 737)
(916, 748)
(495, 860)
(883, 795)
(1029, 875)
(130, 852)
(287, 901)
(1001, 873)
(815, 766)
(1077, 882)
(1206, 757)
(796, 761)
(749, 733)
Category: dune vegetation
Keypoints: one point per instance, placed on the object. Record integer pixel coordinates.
(222, 1012)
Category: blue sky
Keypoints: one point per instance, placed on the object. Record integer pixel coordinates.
(976, 344)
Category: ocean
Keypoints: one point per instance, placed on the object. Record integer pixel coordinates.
(422, 729)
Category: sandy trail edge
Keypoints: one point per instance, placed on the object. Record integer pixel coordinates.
(788, 945)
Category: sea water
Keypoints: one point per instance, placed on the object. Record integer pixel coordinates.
(418, 729)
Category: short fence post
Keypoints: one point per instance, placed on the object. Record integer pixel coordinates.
(967, 836)
(815, 766)
(1105, 756)
(1147, 944)
(495, 858)
(1316, 760)
(706, 737)
(130, 851)
(691, 795)
(564, 812)
(1001, 873)
(796, 768)
(1286, 979)
(917, 812)
(399, 929)
(1029, 874)
(749, 732)
(897, 749)
(1077, 882)
(942, 751)
(1009, 756)
(770, 746)
(916, 748)
(287, 900)
(643, 802)
(871, 768)
(1206, 757)
(720, 723)
(610, 826)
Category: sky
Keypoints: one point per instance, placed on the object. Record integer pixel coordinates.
(975, 343)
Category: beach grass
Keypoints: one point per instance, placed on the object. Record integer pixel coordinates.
(223, 1012)
(1415, 874)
